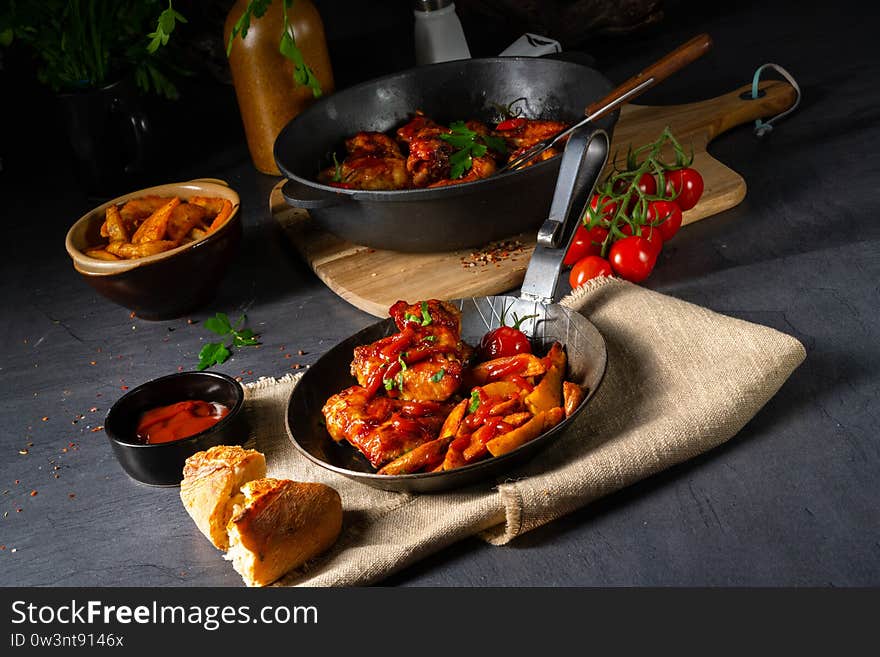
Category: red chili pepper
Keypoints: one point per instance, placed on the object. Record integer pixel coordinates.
(510, 124)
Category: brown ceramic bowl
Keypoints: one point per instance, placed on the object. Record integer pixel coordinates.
(165, 285)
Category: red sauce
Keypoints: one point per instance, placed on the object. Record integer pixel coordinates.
(180, 420)
(506, 368)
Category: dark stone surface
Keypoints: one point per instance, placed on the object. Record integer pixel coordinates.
(794, 499)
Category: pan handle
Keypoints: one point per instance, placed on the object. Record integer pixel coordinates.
(303, 196)
(582, 162)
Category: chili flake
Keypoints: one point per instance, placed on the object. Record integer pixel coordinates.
(495, 252)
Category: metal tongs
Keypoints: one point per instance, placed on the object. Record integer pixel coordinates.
(633, 87)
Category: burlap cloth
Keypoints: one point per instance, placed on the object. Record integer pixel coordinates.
(680, 380)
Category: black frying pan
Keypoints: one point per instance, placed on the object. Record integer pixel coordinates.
(440, 219)
(585, 155)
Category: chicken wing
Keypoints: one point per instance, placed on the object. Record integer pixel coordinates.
(374, 161)
(424, 361)
(381, 428)
(526, 135)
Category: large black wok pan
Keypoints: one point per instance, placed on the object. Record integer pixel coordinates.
(440, 219)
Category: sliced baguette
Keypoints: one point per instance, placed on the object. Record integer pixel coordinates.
(281, 525)
(211, 487)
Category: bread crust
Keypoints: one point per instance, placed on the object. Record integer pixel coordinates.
(282, 525)
(211, 487)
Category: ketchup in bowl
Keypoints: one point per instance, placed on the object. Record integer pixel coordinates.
(180, 420)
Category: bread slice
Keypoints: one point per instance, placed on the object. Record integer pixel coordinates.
(211, 487)
(282, 525)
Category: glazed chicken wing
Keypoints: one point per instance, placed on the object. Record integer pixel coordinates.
(382, 428)
(529, 133)
(374, 162)
(424, 361)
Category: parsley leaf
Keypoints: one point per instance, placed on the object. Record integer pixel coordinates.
(469, 144)
(219, 324)
(216, 353)
(164, 27)
(475, 401)
(426, 316)
(213, 353)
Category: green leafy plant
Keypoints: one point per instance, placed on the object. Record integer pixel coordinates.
(216, 353)
(87, 44)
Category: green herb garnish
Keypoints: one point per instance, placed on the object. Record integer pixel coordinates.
(475, 402)
(439, 375)
(426, 316)
(469, 144)
(215, 353)
(337, 169)
(429, 338)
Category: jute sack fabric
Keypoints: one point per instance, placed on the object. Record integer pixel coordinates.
(681, 380)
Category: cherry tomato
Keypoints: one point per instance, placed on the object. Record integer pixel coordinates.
(647, 184)
(651, 233)
(588, 268)
(604, 206)
(685, 187)
(586, 241)
(669, 213)
(633, 258)
(504, 341)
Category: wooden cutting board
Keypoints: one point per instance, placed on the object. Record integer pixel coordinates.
(373, 279)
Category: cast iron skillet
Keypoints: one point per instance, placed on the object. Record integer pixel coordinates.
(447, 218)
(582, 162)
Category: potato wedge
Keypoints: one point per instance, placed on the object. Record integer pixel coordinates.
(426, 456)
(101, 254)
(116, 229)
(431, 454)
(518, 419)
(548, 393)
(183, 219)
(520, 436)
(154, 227)
(142, 250)
(572, 396)
(553, 417)
(212, 204)
(494, 370)
(197, 233)
(501, 388)
(222, 216)
(138, 209)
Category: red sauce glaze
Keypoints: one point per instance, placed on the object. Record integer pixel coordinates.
(512, 366)
(180, 420)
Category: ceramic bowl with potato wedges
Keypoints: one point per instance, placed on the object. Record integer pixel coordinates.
(160, 251)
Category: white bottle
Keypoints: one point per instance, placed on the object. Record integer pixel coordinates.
(438, 33)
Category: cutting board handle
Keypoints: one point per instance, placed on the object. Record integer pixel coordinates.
(722, 113)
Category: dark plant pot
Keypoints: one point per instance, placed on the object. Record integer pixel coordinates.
(109, 134)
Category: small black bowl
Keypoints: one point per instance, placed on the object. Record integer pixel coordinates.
(162, 464)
